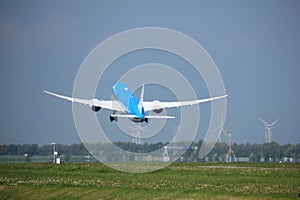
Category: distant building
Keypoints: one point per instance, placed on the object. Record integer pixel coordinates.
(288, 159)
(243, 159)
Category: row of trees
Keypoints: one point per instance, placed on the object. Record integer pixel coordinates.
(258, 152)
(44, 150)
(255, 152)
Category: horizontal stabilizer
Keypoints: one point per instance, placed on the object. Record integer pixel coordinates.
(148, 117)
(159, 117)
(124, 116)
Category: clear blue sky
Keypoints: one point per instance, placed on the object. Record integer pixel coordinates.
(255, 45)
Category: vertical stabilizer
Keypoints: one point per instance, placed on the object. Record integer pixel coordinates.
(141, 99)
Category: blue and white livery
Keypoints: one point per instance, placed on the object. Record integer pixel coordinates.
(127, 105)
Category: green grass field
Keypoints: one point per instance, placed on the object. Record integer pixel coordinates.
(177, 181)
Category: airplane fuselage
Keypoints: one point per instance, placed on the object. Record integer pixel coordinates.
(129, 101)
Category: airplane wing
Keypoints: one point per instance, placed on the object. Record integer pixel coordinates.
(153, 105)
(108, 104)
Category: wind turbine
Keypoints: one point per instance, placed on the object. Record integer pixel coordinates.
(136, 133)
(268, 127)
(230, 153)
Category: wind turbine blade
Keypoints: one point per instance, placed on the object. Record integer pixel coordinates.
(273, 123)
(224, 131)
(219, 137)
(137, 128)
(264, 122)
(140, 128)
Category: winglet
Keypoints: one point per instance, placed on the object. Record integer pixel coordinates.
(59, 96)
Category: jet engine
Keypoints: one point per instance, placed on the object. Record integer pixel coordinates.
(95, 108)
(157, 110)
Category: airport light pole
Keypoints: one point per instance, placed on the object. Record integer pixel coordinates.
(54, 151)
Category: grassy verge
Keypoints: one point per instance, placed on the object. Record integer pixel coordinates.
(177, 181)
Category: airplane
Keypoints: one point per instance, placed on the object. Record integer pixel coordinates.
(129, 106)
